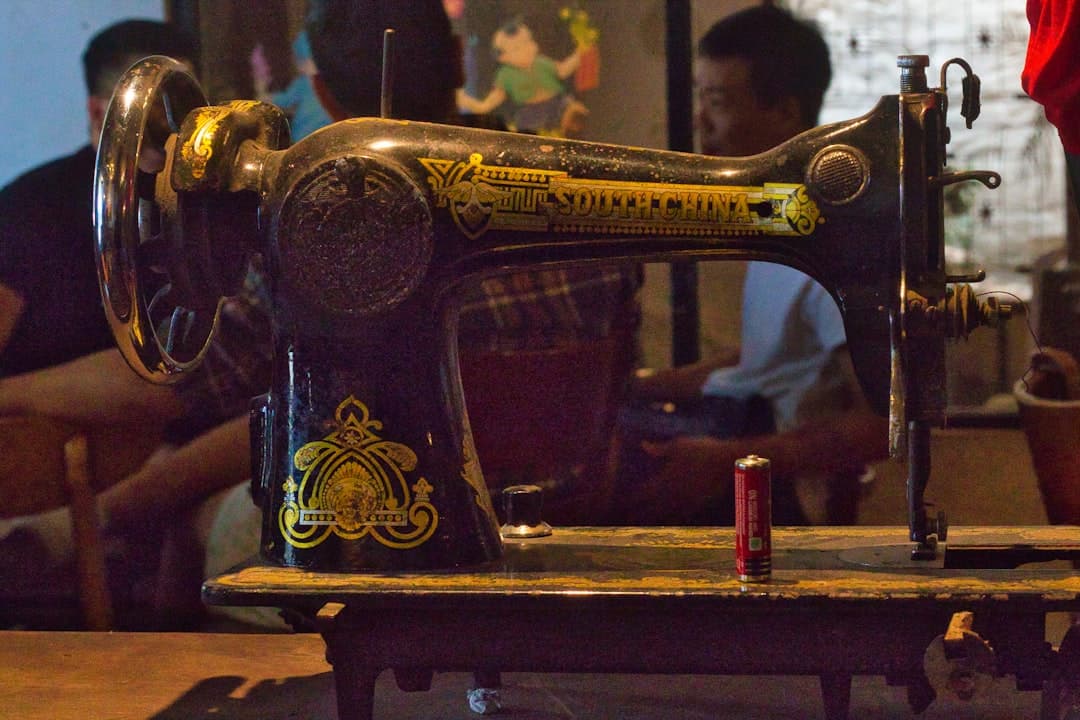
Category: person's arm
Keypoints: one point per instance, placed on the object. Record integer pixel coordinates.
(697, 468)
(679, 384)
(95, 389)
(11, 309)
(170, 483)
(177, 480)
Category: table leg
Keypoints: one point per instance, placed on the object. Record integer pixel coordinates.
(355, 686)
(354, 675)
(836, 695)
(413, 679)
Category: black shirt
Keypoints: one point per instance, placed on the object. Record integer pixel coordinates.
(47, 256)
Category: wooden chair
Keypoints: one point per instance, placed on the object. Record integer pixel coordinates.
(45, 464)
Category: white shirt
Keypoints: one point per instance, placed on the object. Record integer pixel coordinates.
(790, 328)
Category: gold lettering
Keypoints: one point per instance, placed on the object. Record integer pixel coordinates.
(605, 202)
(742, 209)
(643, 201)
(562, 198)
(583, 201)
(723, 208)
(707, 209)
(691, 202)
(669, 205)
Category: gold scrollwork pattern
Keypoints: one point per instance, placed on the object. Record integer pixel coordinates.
(801, 212)
(354, 484)
(471, 474)
(198, 147)
(483, 197)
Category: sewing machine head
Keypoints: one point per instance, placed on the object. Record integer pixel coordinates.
(367, 227)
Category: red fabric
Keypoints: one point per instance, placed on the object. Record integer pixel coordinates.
(1051, 73)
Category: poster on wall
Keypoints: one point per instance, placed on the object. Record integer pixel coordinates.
(532, 65)
(556, 67)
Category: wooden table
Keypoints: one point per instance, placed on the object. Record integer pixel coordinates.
(842, 602)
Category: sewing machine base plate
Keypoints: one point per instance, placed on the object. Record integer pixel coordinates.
(840, 602)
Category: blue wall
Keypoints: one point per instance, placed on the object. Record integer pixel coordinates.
(43, 111)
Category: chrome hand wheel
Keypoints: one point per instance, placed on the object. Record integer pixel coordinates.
(162, 334)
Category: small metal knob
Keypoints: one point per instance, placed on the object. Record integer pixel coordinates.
(913, 72)
(522, 505)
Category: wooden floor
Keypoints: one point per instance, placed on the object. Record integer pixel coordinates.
(682, 697)
(195, 676)
(979, 477)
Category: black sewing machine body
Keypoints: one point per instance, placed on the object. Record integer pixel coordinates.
(367, 227)
(377, 521)
(373, 322)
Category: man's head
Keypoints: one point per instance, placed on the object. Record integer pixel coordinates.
(760, 76)
(118, 47)
(347, 43)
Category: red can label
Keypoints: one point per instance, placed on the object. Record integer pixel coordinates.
(753, 518)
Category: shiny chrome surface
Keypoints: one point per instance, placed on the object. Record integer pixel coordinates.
(148, 106)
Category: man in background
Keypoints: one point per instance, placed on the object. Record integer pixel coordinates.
(789, 393)
(50, 305)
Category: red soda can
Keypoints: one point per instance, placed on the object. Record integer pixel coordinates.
(753, 519)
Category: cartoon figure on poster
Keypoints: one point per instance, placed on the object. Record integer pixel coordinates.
(535, 84)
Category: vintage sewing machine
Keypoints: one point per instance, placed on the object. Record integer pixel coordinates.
(377, 520)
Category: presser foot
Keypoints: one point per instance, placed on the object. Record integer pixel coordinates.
(934, 531)
(925, 550)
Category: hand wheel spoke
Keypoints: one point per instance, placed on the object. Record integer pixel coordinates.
(153, 253)
(180, 324)
(149, 222)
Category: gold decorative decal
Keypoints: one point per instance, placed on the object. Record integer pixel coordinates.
(802, 212)
(353, 484)
(198, 147)
(487, 197)
(470, 473)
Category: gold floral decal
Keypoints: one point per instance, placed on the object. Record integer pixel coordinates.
(483, 197)
(802, 212)
(353, 484)
(198, 148)
(471, 474)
